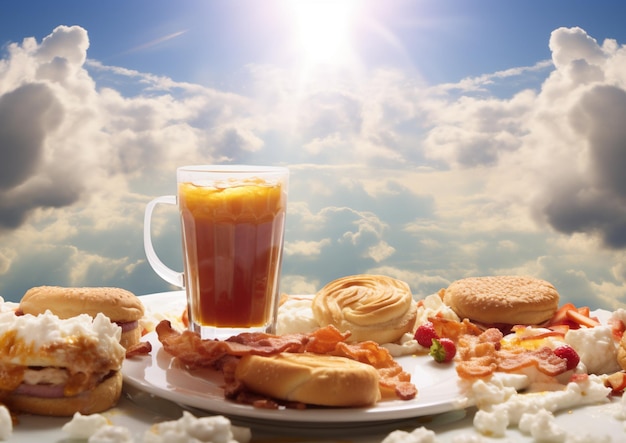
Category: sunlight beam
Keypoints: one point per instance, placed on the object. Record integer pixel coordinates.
(323, 28)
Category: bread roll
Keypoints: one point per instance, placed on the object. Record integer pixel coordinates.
(371, 307)
(119, 305)
(503, 299)
(310, 378)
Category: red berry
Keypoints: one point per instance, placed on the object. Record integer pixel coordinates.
(425, 334)
(568, 353)
(442, 350)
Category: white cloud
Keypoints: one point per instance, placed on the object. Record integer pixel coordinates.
(310, 249)
(572, 45)
(388, 175)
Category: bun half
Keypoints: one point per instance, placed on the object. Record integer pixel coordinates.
(118, 304)
(104, 396)
(310, 378)
(503, 299)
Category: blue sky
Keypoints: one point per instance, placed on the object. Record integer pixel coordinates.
(429, 141)
(209, 41)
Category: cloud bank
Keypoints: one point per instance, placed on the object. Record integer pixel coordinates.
(428, 183)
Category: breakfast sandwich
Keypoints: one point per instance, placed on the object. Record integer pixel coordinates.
(57, 367)
(502, 300)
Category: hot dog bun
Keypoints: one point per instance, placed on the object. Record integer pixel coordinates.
(371, 307)
(502, 299)
(120, 305)
(310, 378)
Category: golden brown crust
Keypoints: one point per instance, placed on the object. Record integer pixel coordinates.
(371, 307)
(118, 304)
(310, 378)
(104, 396)
(503, 299)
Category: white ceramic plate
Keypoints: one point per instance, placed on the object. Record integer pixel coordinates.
(158, 374)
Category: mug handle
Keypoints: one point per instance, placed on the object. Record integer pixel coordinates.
(167, 274)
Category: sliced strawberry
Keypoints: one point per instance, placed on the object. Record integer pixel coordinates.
(442, 350)
(582, 319)
(584, 310)
(560, 316)
(561, 329)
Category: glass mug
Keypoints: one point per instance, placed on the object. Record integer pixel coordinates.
(233, 224)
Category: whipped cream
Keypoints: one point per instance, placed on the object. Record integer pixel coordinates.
(596, 348)
(432, 305)
(81, 427)
(40, 333)
(189, 429)
(502, 406)
(111, 434)
(95, 428)
(418, 435)
(295, 315)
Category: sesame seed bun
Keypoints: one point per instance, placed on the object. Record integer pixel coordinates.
(502, 299)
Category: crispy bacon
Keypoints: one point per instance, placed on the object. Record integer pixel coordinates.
(476, 355)
(453, 329)
(140, 348)
(546, 361)
(188, 348)
(480, 356)
(193, 352)
(393, 379)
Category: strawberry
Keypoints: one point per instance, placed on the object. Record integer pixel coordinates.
(442, 350)
(568, 353)
(425, 334)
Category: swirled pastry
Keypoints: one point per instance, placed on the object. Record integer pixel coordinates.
(371, 307)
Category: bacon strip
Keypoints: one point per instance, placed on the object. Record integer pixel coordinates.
(393, 379)
(453, 329)
(544, 359)
(480, 356)
(476, 356)
(140, 348)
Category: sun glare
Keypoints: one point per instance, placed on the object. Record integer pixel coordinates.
(323, 28)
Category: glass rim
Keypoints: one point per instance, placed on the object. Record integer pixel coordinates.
(232, 168)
